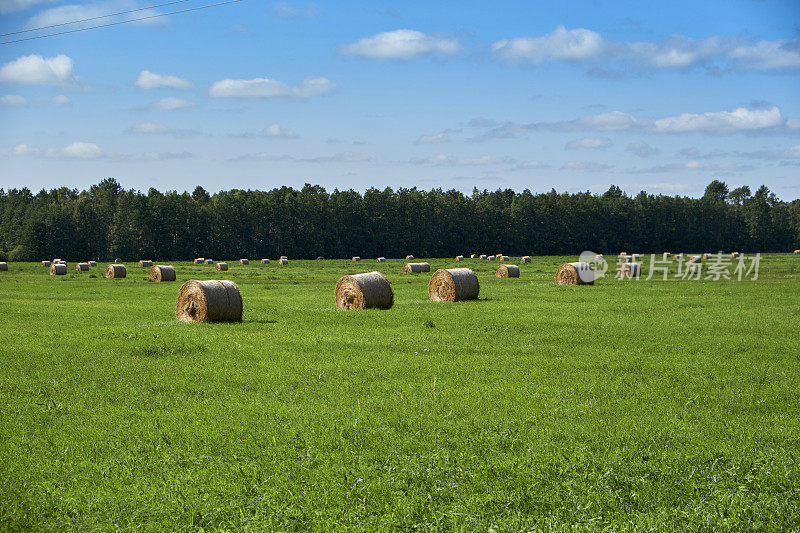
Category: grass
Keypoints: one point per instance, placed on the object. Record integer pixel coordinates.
(628, 405)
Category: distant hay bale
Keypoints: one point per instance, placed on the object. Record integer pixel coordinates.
(666, 256)
(473, 256)
(796, 252)
(356, 258)
(453, 285)
(623, 253)
(482, 256)
(265, 261)
(624, 258)
(56, 260)
(409, 257)
(507, 271)
(209, 301)
(695, 259)
(244, 261)
(92, 263)
(58, 269)
(735, 255)
(678, 257)
(320, 258)
(116, 271)
(209, 261)
(459, 258)
(491, 258)
(410, 268)
(381, 260)
(707, 256)
(221, 267)
(162, 273)
(46, 264)
(578, 273)
(364, 291)
(630, 270)
(525, 259)
(199, 260)
(283, 261)
(502, 258)
(3, 266)
(145, 263)
(82, 267)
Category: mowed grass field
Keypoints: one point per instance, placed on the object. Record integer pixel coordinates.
(627, 405)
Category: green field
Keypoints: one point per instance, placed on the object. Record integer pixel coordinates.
(627, 405)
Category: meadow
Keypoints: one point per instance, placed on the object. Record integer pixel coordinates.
(625, 406)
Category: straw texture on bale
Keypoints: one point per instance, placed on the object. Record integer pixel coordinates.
(116, 271)
(630, 270)
(453, 285)
(707, 256)
(490, 258)
(695, 259)
(162, 273)
(283, 261)
(198, 260)
(265, 261)
(221, 267)
(244, 261)
(579, 273)
(92, 263)
(46, 264)
(82, 267)
(525, 259)
(145, 263)
(364, 291)
(482, 256)
(209, 261)
(507, 271)
(409, 268)
(3, 266)
(356, 258)
(381, 260)
(57, 269)
(209, 301)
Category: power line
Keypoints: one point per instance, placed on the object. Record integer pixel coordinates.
(92, 18)
(120, 22)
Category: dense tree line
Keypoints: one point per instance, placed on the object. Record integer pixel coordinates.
(106, 221)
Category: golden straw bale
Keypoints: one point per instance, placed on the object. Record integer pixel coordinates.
(199, 260)
(491, 258)
(92, 263)
(145, 263)
(381, 260)
(244, 261)
(630, 270)
(116, 271)
(525, 259)
(209, 301)
(578, 273)
(58, 269)
(409, 257)
(283, 261)
(482, 256)
(409, 268)
(46, 264)
(364, 291)
(265, 261)
(507, 271)
(221, 267)
(453, 285)
(209, 261)
(162, 273)
(82, 267)
(459, 258)
(356, 258)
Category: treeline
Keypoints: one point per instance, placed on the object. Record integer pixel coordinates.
(106, 221)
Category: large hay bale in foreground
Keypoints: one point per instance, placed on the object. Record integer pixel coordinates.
(221, 267)
(283, 261)
(507, 271)
(3, 266)
(578, 273)
(145, 263)
(46, 264)
(92, 263)
(630, 270)
(265, 261)
(409, 268)
(116, 271)
(82, 267)
(453, 285)
(525, 259)
(364, 291)
(381, 260)
(356, 258)
(209, 301)
(199, 260)
(58, 269)
(244, 261)
(162, 273)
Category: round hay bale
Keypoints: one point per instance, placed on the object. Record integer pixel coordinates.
(453, 285)
(381, 260)
(796, 252)
(409, 268)
(209, 261)
(244, 261)
(667, 256)
(459, 258)
(58, 269)
(82, 267)
(162, 273)
(265, 261)
(199, 260)
(56, 261)
(46, 264)
(209, 301)
(409, 257)
(507, 271)
(707, 256)
(525, 259)
(221, 267)
(630, 270)
(735, 255)
(503, 258)
(364, 291)
(3, 266)
(482, 256)
(284, 257)
(695, 259)
(116, 271)
(356, 258)
(320, 258)
(623, 253)
(92, 263)
(283, 261)
(491, 258)
(117, 260)
(473, 256)
(145, 263)
(578, 273)
(624, 258)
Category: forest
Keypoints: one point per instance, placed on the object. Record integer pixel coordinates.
(107, 222)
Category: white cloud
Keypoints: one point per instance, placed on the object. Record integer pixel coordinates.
(452, 161)
(642, 149)
(593, 143)
(401, 44)
(559, 45)
(740, 119)
(21, 150)
(269, 88)
(695, 153)
(37, 70)
(169, 104)
(70, 12)
(531, 165)
(147, 128)
(154, 128)
(12, 100)
(438, 138)
(276, 131)
(151, 80)
(77, 150)
(61, 100)
(12, 6)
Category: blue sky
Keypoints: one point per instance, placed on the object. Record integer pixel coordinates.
(656, 96)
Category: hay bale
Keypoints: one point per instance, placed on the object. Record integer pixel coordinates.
(796, 252)
(735, 255)
(116, 271)
(46, 264)
(695, 259)
(265, 261)
(145, 263)
(459, 258)
(525, 259)
(623, 253)
(56, 261)
(453, 285)
(624, 258)
(578, 273)
(364, 291)
(92, 263)
(162, 273)
(507, 271)
(221, 267)
(678, 257)
(209, 261)
(58, 269)
(320, 258)
(667, 256)
(82, 267)
(209, 301)
(3, 266)
(409, 257)
(409, 268)
(502, 258)
(356, 258)
(244, 261)
(283, 261)
(630, 270)
(381, 260)
(482, 256)
(199, 260)
(491, 258)
(707, 256)
(473, 256)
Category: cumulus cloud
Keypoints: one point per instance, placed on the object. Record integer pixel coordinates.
(589, 48)
(61, 100)
(593, 143)
(642, 149)
(586, 166)
(401, 44)
(276, 131)
(77, 150)
(151, 80)
(169, 104)
(71, 12)
(740, 119)
(37, 70)
(437, 138)
(21, 150)
(12, 100)
(269, 88)
(453, 161)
